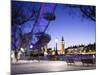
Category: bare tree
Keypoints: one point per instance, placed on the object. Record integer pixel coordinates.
(20, 16)
(89, 12)
(86, 11)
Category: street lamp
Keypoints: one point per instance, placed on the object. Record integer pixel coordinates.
(22, 49)
(31, 46)
(56, 40)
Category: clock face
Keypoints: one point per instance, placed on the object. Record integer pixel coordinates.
(62, 42)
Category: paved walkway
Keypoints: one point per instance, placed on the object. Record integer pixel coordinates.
(25, 67)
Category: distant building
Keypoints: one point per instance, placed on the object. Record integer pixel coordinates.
(61, 51)
(62, 46)
(45, 50)
(76, 50)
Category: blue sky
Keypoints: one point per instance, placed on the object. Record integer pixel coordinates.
(69, 23)
(73, 27)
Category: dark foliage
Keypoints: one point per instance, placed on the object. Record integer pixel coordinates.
(86, 11)
(49, 16)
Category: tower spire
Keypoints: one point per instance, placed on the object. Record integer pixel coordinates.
(62, 46)
(62, 39)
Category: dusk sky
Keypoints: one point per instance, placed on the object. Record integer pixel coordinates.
(69, 23)
(72, 26)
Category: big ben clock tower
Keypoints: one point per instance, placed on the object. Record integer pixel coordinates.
(62, 46)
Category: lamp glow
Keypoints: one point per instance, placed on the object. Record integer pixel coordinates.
(31, 46)
(22, 49)
(56, 40)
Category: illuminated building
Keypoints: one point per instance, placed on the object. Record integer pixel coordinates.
(62, 46)
(45, 51)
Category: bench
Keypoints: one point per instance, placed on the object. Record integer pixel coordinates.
(88, 61)
(70, 62)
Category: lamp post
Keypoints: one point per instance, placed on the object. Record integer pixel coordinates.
(56, 40)
(31, 46)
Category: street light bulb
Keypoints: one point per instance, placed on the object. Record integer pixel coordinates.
(31, 46)
(22, 49)
(56, 40)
